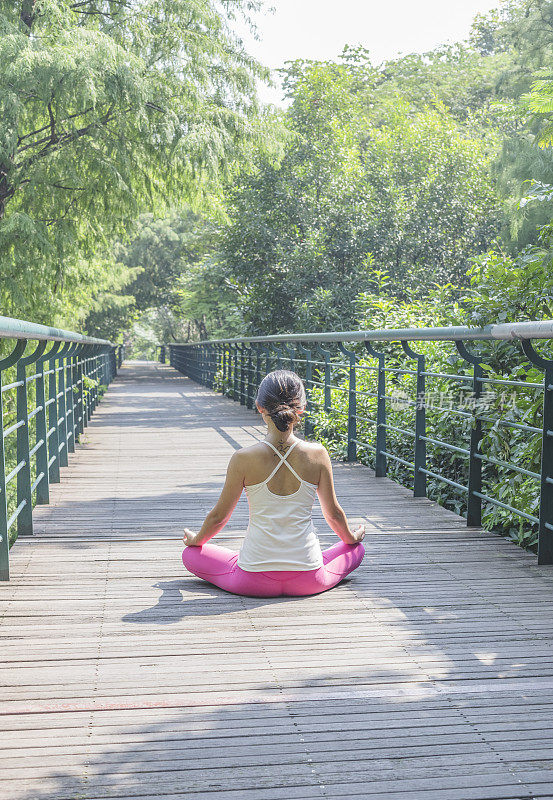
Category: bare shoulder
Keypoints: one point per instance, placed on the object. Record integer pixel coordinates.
(248, 454)
(252, 450)
(315, 447)
(240, 457)
(315, 451)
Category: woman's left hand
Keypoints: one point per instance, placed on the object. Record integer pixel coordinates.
(189, 537)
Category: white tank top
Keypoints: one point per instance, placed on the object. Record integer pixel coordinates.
(280, 534)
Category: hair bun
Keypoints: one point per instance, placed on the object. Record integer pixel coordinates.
(283, 415)
(281, 407)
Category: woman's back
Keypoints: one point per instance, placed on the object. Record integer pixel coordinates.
(281, 535)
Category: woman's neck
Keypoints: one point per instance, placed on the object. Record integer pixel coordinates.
(280, 439)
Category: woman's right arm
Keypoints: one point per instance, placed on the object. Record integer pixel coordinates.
(331, 508)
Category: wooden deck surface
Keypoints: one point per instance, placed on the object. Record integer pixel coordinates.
(427, 675)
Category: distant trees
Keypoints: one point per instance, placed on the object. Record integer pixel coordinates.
(177, 290)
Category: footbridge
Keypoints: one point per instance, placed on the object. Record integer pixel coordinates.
(426, 675)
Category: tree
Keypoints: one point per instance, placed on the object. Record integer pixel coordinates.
(520, 35)
(433, 204)
(108, 109)
(364, 178)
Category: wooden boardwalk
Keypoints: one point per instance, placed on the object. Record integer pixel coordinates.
(428, 674)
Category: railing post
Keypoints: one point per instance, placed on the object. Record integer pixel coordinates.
(96, 389)
(242, 375)
(419, 478)
(6, 362)
(25, 518)
(91, 364)
(222, 364)
(92, 375)
(112, 357)
(79, 404)
(216, 363)
(85, 375)
(53, 437)
(291, 352)
(24, 490)
(327, 393)
(70, 401)
(380, 455)
(249, 395)
(211, 364)
(545, 532)
(224, 368)
(258, 351)
(234, 371)
(262, 350)
(474, 500)
(352, 403)
(62, 406)
(308, 427)
(43, 487)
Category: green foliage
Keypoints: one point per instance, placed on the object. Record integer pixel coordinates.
(178, 289)
(508, 288)
(450, 408)
(364, 180)
(520, 34)
(432, 201)
(156, 258)
(108, 110)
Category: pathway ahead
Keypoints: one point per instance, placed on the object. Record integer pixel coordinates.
(427, 675)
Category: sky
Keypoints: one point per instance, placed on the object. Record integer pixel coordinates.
(319, 29)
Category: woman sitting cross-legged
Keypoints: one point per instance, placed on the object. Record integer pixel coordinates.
(281, 554)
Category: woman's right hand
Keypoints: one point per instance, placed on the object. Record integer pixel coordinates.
(359, 533)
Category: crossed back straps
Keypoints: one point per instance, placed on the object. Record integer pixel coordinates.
(283, 461)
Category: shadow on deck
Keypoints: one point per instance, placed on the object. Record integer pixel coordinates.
(427, 675)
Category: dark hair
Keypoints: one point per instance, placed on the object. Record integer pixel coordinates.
(282, 394)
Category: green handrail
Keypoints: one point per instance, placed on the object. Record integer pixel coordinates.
(233, 366)
(503, 330)
(52, 407)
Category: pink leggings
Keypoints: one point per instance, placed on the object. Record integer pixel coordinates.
(218, 566)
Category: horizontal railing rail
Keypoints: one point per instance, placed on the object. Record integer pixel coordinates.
(50, 383)
(368, 379)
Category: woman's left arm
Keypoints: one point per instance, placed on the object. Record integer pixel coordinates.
(222, 511)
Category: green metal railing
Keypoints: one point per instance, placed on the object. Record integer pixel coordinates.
(330, 369)
(42, 414)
